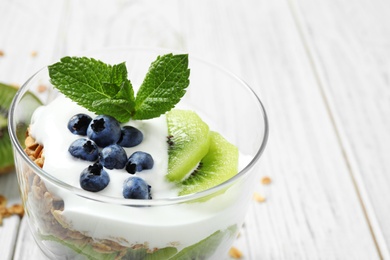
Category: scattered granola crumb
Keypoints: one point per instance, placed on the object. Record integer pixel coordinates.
(41, 88)
(16, 85)
(16, 209)
(259, 198)
(3, 201)
(5, 212)
(235, 253)
(266, 180)
(1, 53)
(34, 53)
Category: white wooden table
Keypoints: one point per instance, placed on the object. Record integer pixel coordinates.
(322, 69)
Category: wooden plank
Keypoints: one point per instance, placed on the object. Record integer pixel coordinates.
(8, 235)
(313, 210)
(28, 37)
(348, 43)
(91, 25)
(10, 225)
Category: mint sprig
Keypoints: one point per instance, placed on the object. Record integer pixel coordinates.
(106, 89)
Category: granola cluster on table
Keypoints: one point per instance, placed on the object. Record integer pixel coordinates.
(5, 211)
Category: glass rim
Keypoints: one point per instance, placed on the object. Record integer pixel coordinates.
(138, 202)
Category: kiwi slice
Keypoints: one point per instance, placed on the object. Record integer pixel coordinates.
(6, 159)
(205, 248)
(83, 248)
(7, 93)
(219, 165)
(188, 143)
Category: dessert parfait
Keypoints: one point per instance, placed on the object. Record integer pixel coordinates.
(128, 161)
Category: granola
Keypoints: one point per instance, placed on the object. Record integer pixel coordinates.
(5, 211)
(235, 253)
(266, 180)
(258, 197)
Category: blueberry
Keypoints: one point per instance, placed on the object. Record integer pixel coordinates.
(94, 178)
(104, 130)
(130, 137)
(139, 161)
(78, 124)
(113, 157)
(85, 149)
(136, 188)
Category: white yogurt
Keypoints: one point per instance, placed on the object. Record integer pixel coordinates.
(49, 127)
(160, 226)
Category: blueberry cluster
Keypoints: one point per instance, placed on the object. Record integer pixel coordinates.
(102, 143)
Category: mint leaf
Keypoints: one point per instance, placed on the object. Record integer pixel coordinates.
(105, 89)
(117, 108)
(118, 77)
(99, 87)
(163, 86)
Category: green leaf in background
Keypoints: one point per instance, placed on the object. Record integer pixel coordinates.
(7, 93)
(163, 86)
(28, 103)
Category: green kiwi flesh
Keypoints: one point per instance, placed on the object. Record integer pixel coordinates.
(91, 253)
(188, 139)
(217, 166)
(6, 159)
(205, 248)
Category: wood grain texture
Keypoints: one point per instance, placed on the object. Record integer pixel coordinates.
(312, 199)
(28, 36)
(8, 235)
(348, 43)
(312, 209)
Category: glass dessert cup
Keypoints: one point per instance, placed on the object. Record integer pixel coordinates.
(70, 223)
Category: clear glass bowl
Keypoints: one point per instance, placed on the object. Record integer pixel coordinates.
(70, 223)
